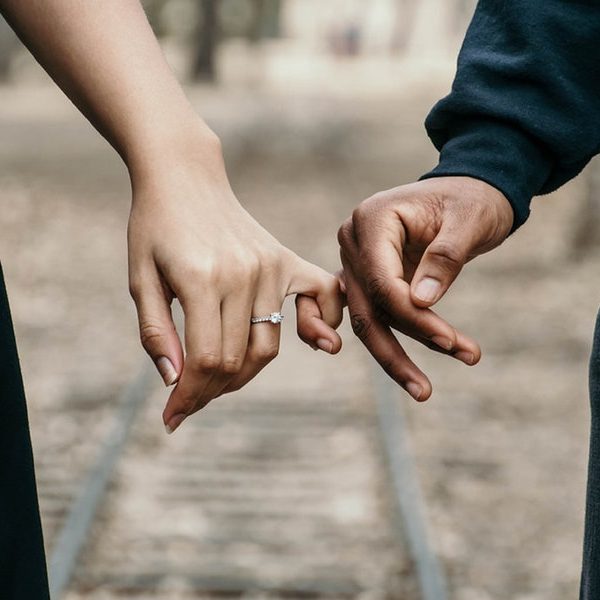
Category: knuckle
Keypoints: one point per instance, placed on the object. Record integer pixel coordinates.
(188, 405)
(243, 264)
(267, 353)
(389, 367)
(328, 285)
(232, 365)
(345, 233)
(192, 271)
(378, 288)
(268, 263)
(232, 386)
(446, 253)
(267, 256)
(360, 212)
(361, 325)
(191, 281)
(378, 201)
(206, 362)
(252, 266)
(204, 271)
(307, 339)
(235, 277)
(270, 352)
(227, 273)
(150, 333)
(380, 198)
(419, 322)
(365, 210)
(135, 290)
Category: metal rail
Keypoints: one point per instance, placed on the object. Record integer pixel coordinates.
(80, 518)
(411, 525)
(407, 493)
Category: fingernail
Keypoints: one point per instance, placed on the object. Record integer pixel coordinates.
(467, 357)
(414, 389)
(325, 345)
(442, 342)
(427, 289)
(167, 370)
(174, 423)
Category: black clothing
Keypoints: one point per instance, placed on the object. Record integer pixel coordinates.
(524, 116)
(524, 111)
(590, 580)
(22, 562)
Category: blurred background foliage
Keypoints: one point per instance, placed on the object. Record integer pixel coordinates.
(344, 27)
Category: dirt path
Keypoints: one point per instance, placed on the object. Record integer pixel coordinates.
(280, 488)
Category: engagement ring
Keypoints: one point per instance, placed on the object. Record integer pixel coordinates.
(275, 318)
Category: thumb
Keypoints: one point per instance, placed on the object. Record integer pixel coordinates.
(440, 265)
(157, 330)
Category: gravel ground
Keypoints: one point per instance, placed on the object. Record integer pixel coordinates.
(500, 449)
(281, 488)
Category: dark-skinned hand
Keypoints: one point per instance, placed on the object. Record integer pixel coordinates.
(401, 251)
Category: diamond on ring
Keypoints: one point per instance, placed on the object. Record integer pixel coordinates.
(274, 317)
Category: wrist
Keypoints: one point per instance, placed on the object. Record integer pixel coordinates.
(501, 154)
(499, 203)
(175, 148)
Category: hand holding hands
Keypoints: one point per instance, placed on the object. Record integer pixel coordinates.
(401, 251)
(189, 238)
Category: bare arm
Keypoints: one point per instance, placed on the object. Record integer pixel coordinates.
(188, 235)
(105, 57)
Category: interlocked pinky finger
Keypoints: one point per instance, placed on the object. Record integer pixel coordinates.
(312, 329)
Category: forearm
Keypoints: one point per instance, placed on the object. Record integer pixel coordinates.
(105, 57)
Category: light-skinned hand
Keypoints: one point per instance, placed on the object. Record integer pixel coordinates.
(190, 239)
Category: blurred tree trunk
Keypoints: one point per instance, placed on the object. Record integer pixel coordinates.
(272, 18)
(152, 9)
(431, 29)
(405, 13)
(204, 64)
(255, 31)
(586, 237)
(265, 20)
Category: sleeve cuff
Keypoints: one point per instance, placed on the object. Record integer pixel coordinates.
(497, 153)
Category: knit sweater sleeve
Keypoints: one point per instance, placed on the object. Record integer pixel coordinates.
(524, 110)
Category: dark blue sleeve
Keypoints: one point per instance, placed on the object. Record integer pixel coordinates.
(524, 110)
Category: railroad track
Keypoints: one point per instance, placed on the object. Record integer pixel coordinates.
(302, 494)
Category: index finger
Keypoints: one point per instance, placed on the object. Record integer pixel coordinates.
(377, 268)
(380, 341)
